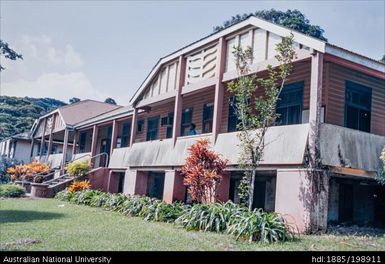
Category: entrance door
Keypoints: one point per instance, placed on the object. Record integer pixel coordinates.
(104, 148)
(345, 210)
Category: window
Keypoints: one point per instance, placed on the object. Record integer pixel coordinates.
(140, 126)
(170, 122)
(290, 104)
(152, 128)
(207, 123)
(358, 100)
(126, 132)
(232, 121)
(82, 142)
(186, 121)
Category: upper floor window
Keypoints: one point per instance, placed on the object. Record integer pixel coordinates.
(152, 128)
(125, 136)
(139, 126)
(186, 121)
(207, 122)
(358, 102)
(168, 122)
(232, 122)
(290, 104)
(82, 142)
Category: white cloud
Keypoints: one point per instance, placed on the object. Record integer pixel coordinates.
(55, 85)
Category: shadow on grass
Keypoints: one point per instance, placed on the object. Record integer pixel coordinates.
(12, 216)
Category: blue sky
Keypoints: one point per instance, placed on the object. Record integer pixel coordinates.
(99, 49)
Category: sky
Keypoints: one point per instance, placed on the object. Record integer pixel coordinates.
(100, 49)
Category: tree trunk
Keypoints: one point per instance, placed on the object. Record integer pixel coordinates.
(251, 190)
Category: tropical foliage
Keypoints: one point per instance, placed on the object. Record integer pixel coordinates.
(202, 171)
(255, 112)
(79, 186)
(5, 163)
(216, 217)
(292, 19)
(17, 114)
(8, 53)
(27, 172)
(11, 190)
(381, 174)
(78, 168)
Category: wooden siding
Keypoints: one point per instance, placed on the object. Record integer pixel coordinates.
(196, 101)
(336, 96)
(301, 72)
(159, 110)
(202, 65)
(163, 82)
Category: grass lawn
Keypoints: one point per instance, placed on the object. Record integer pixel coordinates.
(60, 225)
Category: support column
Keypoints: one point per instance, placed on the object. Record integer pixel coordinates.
(296, 202)
(135, 182)
(65, 146)
(224, 187)
(114, 135)
(174, 190)
(178, 99)
(315, 104)
(133, 126)
(42, 143)
(31, 151)
(94, 142)
(50, 141)
(75, 142)
(219, 89)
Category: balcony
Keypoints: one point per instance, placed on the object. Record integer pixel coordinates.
(285, 145)
(349, 148)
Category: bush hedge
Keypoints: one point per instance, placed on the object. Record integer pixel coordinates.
(11, 190)
(226, 217)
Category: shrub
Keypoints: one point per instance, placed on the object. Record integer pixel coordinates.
(208, 217)
(79, 186)
(160, 211)
(78, 168)
(134, 204)
(99, 199)
(259, 226)
(11, 190)
(380, 177)
(115, 201)
(28, 171)
(4, 164)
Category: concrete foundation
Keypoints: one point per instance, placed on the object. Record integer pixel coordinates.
(135, 182)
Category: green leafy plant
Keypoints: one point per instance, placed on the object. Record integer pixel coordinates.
(256, 113)
(11, 190)
(259, 226)
(380, 177)
(78, 168)
(208, 217)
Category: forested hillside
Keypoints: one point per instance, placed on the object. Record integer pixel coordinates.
(17, 114)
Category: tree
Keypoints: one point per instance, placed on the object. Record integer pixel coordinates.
(292, 19)
(383, 59)
(202, 172)
(8, 53)
(256, 114)
(74, 100)
(380, 177)
(109, 100)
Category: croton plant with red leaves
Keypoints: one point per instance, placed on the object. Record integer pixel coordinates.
(202, 171)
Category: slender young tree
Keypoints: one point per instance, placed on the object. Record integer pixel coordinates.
(257, 113)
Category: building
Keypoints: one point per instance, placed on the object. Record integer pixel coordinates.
(17, 147)
(53, 135)
(332, 108)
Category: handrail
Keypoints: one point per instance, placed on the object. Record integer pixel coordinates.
(101, 154)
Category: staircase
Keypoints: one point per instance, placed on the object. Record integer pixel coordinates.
(49, 188)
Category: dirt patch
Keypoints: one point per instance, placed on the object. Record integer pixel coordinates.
(354, 230)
